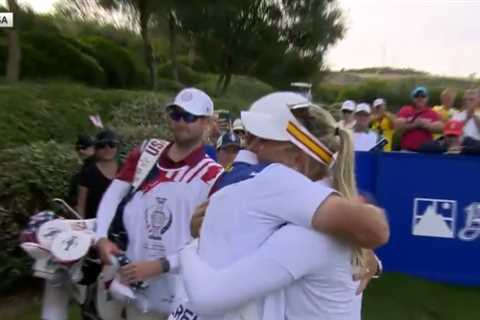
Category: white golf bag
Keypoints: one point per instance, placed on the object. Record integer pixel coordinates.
(59, 248)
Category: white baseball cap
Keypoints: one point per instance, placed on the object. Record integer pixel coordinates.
(363, 107)
(238, 125)
(268, 117)
(348, 105)
(378, 102)
(194, 101)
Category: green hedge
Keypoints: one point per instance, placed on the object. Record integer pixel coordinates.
(186, 75)
(30, 176)
(117, 62)
(61, 59)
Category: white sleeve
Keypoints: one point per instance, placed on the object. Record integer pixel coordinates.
(293, 198)
(108, 206)
(288, 247)
(213, 291)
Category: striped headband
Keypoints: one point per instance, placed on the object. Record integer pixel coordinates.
(303, 139)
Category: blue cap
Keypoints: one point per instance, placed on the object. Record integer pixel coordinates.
(228, 139)
(420, 90)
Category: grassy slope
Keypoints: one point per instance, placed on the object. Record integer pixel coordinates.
(352, 78)
(394, 297)
(59, 111)
(52, 111)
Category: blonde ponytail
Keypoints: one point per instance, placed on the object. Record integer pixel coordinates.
(324, 127)
(344, 166)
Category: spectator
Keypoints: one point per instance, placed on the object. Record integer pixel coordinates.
(348, 120)
(239, 130)
(228, 147)
(417, 122)
(470, 115)
(446, 110)
(152, 221)
(224, 121)
(383, 121)
(452, 141)
(211, 137)
(96, 177)
(364, 139)
(85, 151)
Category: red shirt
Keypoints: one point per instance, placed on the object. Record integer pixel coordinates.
(196, 164)
(415, 138)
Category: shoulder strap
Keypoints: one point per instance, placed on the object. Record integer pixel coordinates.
(150, 155)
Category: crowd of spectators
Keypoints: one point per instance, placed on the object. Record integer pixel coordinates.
(417, 126)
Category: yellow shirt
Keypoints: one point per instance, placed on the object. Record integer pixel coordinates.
(384, 126)
(445, 114)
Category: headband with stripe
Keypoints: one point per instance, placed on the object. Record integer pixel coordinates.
(303, 139)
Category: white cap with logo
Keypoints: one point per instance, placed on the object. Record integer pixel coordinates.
(379, 102)
(348, 105)
(194, 101)
(363, 107)
(268, 117)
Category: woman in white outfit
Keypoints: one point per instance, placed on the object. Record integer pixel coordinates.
(317, 283)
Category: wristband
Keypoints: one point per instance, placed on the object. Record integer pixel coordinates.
(165, 264)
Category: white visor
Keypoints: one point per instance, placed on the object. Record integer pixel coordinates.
(264, 126)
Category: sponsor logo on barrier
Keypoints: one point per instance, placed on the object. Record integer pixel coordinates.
(434, 218)
(439, 218)
(471, 231)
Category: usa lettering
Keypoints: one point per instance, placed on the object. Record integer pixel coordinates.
(153, 148)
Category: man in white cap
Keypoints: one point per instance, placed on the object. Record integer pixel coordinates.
(347, 109)
(364, 139)
(155, 211)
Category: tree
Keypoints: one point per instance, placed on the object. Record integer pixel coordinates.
(227, 33)
(144, 10)
(91, 10)
(14, 51)
(277, 40)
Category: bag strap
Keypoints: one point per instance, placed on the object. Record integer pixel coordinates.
(150, 155)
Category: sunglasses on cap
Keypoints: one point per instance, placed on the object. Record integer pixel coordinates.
(107, 143)
(420, 95)
(176, 115)
(347, 111)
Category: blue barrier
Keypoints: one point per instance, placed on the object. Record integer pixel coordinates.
(433, 206)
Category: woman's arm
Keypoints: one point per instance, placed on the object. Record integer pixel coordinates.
(277, 263)
(213, 291)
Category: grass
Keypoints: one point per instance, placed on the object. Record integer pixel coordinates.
(400, 297)
(59, 110)
(53, 110)
(393, 297)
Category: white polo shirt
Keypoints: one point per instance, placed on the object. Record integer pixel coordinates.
(313, 270)
(240, 217)
(157, 218)
(322, 267)
(365, 141)
(470, 129)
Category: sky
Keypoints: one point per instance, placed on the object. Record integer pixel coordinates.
(437, 36)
